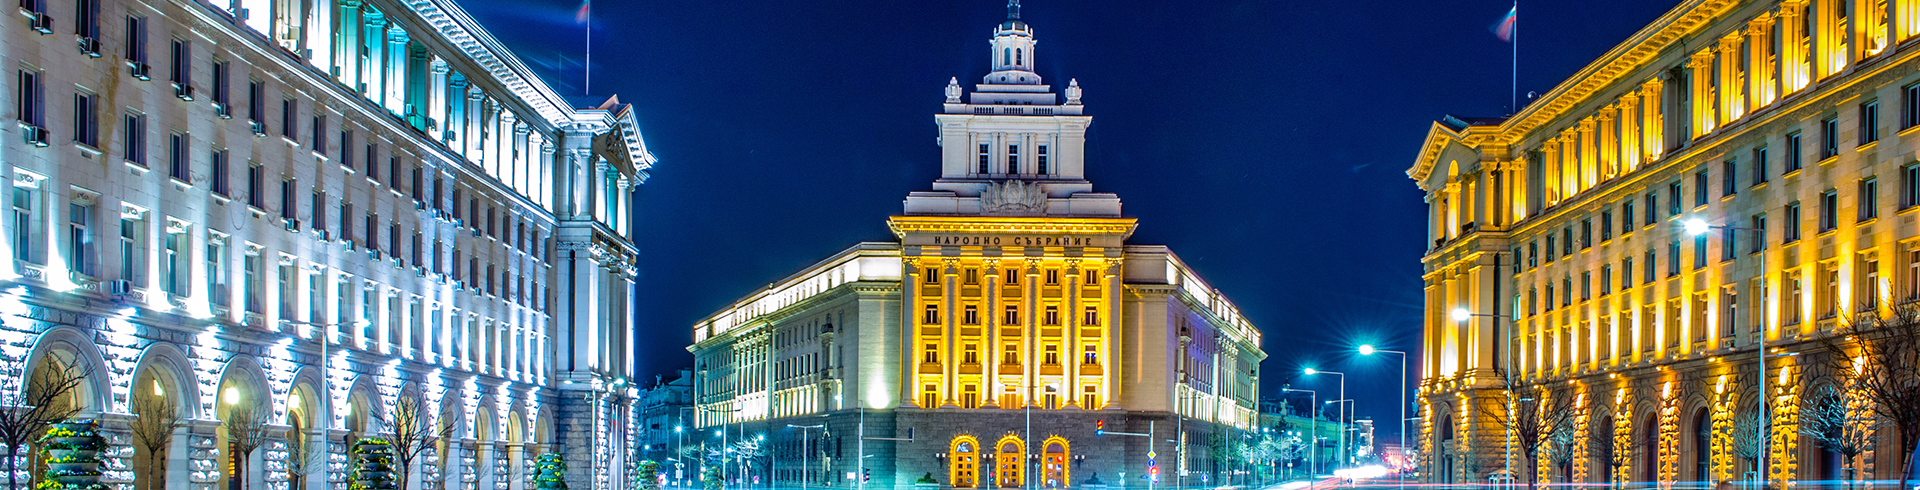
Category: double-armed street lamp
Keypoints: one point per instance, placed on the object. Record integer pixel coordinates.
(1343, 421)
(806, 464)
(1368, 350)
(1313, 427)
(1697, 227)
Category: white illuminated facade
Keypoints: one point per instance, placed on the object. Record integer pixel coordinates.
(1009, 318)
(318, 209)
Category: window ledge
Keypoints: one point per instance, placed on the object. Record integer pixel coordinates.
(1868, 146)
(290, 142)
(136, 167)
(1829, 160)
(1909, 130)
(86, 149)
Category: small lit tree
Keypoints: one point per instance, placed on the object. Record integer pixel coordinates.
(45, 397)
(1829, 419)
(247, 430)
(414, 431)
(155, 419)
(1879, 357)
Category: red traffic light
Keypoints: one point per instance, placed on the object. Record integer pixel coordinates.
(1099, 427)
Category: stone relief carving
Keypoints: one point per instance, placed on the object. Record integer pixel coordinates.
(1013, 198)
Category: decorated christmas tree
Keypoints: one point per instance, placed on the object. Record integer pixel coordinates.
(72, 447)
(373, 465)
(647, 475)
(550, 472)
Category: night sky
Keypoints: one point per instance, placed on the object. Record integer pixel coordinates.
(1265, 142)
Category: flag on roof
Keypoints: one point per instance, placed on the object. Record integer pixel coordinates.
(581, 16)
(1502, 29)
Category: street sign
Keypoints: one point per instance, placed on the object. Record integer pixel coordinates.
(1149, 454)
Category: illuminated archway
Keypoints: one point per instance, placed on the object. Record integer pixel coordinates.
(160, 399)
(1009, 462)
(242, 404)
(963, 462)
(1054, 468)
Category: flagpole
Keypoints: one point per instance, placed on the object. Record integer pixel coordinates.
(588, 70)
(1513, 34)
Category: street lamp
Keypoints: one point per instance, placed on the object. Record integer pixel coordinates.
(1368, 350)
(1343, 421)
(1696, 227)
(806, 460)
(1463, 314)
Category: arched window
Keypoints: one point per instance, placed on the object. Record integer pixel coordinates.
(1006, 56)
(1019, 57)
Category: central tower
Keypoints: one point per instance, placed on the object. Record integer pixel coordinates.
(1012, 148)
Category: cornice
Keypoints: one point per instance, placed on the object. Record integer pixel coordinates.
(901, 225)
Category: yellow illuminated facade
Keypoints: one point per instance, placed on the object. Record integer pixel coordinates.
(1786, 127)
(1008, 319)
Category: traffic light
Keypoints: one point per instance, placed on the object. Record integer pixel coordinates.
(1099, 427)
(866, 475)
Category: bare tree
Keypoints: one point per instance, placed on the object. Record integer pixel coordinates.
(305, 455)
(414, 431)
(247, 431)
(1532, 422)
(1887, 370)
(1827, 418)
(155, 420)
(47, 397)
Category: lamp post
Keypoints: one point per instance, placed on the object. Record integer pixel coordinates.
(806, 460)
(1463, 314)
(1343, 421)
(1313, 430)
(1696, 227)
(1368, 350)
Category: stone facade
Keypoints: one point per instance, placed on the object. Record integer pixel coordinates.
(1737, 174)
(315, 211)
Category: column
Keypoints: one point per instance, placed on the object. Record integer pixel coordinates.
(1652, 129)
(1629, 132)
(522, 172)
(436, 109)
(1701, 85)
(373, 35)
(318, 32)
(950, 346)
(1732, 86)
(1113, 333)
(1550, 164)
(346, 41)
(1589, 163)
(1606, 143)
(1070, 363)
(470, 124)
(1760, 78)
(1030, 290)
(990, 388)
(393, 93)
(910, 335)
(1794, 46)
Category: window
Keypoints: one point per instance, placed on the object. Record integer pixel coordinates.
(1869, 122)
(1653, 204)
(1727, 245)
(1790, 223)
(986, 154)
(1013, 159)
(86, 119)
(1550, 248)
(1673, 258)
(1910, 106)
(1626, 273)
(1566, 285)
(1760, 165)
(1052, 317)
(216, 269)
(1829, 210)
(250, 282)
(26, 225)
(1649, 265)
(180, 69)
(1700, 188)
(1830, 290)
(1910, 186)
(1586, 233)
(319, 131)
(1697, 324)
(1626, 216)
(1606, 280)
(1040, 156)
(1091, 355)
(346, 148)
(80, 236)
(173, 267)
(1052, 354)
(1910, 289)
(1606, 225)
(256, 186)
(30, 105)
(1053, 277)
(393, 173)
(1566, 242)
(222, 91)
(1012, 316)
(287, 204)
(930, 315)
(1869, 198)
(1091, 317)
(289, 122)
(1759, 226)
(218, 161)
(1673, 198)
(1792, 163)
(1829, 138)
(372, 162)
(133, 250)
(1791, 307)
(1533, 254)
(1867, 270)
(970, 315)
(256, 103)
(1729, 312)
(86, 24)
(134, 136)
(137, 47)
(1699, 251)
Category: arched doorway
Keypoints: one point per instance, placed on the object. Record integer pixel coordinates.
(1053, 463)
(1445, 447)
(242, 405)
(1605, 454)
(1702, 446)
(1009, 465)
(963, 462)
(1649, 447)
(157, 419)
(304, 456)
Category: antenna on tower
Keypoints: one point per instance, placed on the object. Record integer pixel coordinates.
(1013, 9)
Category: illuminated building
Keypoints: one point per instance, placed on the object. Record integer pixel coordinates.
(1789, 128)
(315, 210)
(1011, 286)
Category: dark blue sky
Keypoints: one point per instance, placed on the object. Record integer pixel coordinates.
(1266, 142)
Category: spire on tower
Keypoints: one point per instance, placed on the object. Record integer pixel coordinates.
(1013, 9)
